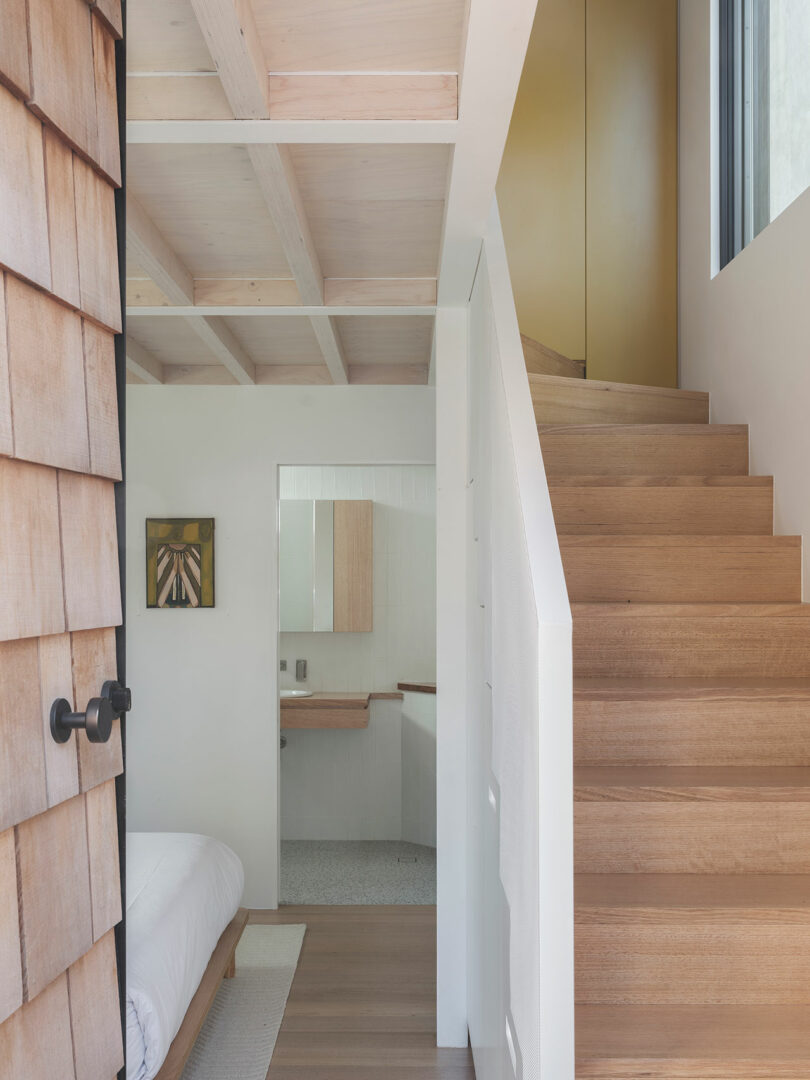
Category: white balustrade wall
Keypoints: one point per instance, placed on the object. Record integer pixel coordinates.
(519, 714)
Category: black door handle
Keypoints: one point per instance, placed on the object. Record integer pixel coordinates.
(120, 697)
(97, 719)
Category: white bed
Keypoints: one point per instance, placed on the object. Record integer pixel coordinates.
(182, 891)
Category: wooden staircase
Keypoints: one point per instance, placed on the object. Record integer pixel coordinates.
(691, 740)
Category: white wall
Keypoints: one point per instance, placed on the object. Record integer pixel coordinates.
(744, 332)
(202, 751)
(452, 717)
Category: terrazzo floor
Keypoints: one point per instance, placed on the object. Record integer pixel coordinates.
(357, 872)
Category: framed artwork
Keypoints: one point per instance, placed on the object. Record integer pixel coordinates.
(179, 562)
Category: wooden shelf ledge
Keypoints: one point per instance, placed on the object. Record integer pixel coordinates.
(418, 687)
(331, 709)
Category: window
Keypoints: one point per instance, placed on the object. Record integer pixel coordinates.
(764, 115)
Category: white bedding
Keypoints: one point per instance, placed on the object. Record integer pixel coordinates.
(182, 891)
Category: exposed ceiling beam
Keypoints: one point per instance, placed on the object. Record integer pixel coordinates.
(142, 363)
(279, 132)
(271, 293)
(167, 270)
(230, 34)
(494, 54)
(274, 172)
(331, 347)
(157, 258)
(317, 95)
(222, 343)
(233, 41)
(308, 311)
(300, 375)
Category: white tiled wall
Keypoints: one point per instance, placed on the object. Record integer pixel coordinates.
(345, 785)
(402, 645)
(419, 769)
(380, 783)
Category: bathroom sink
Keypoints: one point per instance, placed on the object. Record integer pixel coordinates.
(295, 693)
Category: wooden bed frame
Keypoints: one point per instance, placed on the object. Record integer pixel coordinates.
(222, 965)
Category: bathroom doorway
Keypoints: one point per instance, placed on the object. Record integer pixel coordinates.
(357, 709)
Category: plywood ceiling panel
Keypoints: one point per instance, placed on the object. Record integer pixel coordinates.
(170, 340)
(277, 340)
(206, 202)
(360, 35)
(403, 339)
(163, 35)
(198, 375)
(374, 211)
(134, 269)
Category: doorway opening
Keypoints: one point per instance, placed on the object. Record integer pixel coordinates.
(357, 708)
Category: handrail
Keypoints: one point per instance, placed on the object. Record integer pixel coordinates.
(551, 594)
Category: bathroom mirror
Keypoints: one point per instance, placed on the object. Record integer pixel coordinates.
(326, 565)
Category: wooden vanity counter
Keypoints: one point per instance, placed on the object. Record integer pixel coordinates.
(328, 709)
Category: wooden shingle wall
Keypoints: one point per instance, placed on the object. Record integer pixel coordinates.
(60, 598)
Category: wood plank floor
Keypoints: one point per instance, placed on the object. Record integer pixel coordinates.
(363, 1001)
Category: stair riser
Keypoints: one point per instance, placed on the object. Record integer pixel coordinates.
(692, 837)
(664, 957)
(606, 572)
(541, 360)
(665, 510)
(584, 404)
(684, 732)
(580, 451)
(692, 1042)
(687, 647)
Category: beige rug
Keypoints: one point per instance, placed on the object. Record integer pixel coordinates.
(240, 1031)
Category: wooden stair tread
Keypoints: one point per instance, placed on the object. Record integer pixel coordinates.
(627, 689)
(692, 938)
(706, 891)
(706, 431)
(600, 542)
(691, 639)
(693, 1042)
(618, 387)
(666, 783)
(731, 722)
(683, 568)
(610, 505)
(692, 611)
(620, 449)
(599, 480)
(563, 400)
